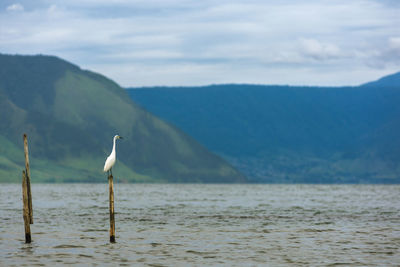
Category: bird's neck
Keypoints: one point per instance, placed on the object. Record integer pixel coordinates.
(113, 149)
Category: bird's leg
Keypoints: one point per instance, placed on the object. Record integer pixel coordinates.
(111, 171)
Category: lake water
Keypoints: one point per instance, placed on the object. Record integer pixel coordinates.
(203, 225)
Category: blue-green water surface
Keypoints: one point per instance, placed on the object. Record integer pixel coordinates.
(203, 225)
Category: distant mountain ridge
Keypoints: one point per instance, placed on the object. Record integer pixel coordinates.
(392, 80)
(71, 115)
(291, 133)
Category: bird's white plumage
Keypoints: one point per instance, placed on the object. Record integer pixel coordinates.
(110, 161)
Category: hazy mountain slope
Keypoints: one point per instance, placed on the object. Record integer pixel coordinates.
(392, 80)
(71, 115)
(285, 134)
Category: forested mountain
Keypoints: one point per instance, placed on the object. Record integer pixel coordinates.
(291, 134)
(71, 115)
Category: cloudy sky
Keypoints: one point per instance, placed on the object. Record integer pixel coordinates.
(199, 42)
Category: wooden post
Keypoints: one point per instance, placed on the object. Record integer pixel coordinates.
(25, 213)
(112, 220)
(28, 179)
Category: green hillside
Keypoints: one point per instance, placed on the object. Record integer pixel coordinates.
(71, 115)
(291, 134)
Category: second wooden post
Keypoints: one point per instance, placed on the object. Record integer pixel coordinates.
(26, 208)
(112, 220)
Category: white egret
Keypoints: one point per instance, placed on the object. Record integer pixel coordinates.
(110, 161)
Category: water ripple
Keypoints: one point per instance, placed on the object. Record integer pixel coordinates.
(203, 225)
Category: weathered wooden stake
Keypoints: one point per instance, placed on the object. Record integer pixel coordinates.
(28, 179)
(25, 213)
(112, 220)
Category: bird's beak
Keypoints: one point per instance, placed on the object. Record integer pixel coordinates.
(121, 137)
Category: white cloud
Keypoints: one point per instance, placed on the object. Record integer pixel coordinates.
(15, 7)
(394, 43)
(387, 56)
(208, 41)
(319, 50)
